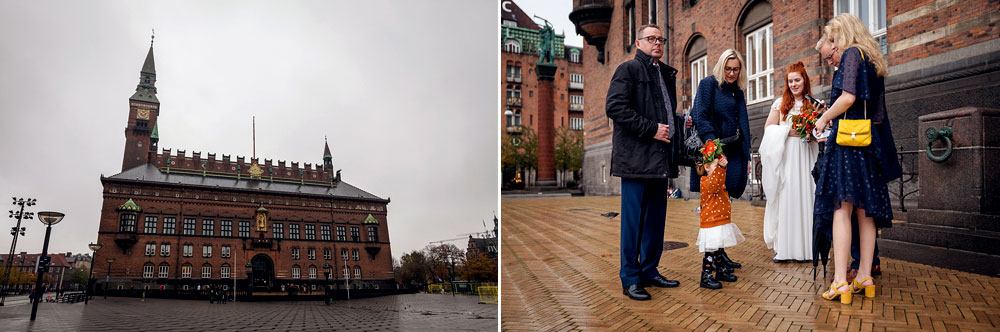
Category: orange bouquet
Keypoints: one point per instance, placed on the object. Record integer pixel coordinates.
(710, 150)
(805, 122)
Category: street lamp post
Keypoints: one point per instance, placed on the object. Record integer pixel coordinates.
(347, 279)
(48, 218)
(328, 270)
(250, 281)
(107, 278)
(90, 278)
(15, 231)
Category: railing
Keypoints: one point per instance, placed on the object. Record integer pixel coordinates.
(514, 79)
(576, 85)
(514, 101)
(908, 160)
(576, 107)
(515, 130)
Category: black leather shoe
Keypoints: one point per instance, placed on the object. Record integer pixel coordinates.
(660, 281)
(729, 262)
(636, 292)
(725, 276)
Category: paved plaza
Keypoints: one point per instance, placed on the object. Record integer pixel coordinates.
(410, 312)
(560, 273)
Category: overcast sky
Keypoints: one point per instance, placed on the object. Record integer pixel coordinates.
(405, 91)
(557, 12)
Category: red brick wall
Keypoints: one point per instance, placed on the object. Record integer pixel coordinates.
(976, 21)
(529, 89)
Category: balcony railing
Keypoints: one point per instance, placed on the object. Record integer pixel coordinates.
(513, 101)
(576, 85)
(576, 107)
(515, 130)
(514, 79)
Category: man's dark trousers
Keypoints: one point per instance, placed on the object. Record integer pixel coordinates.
(644, 210)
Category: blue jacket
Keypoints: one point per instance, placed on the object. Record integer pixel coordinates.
(717, 113)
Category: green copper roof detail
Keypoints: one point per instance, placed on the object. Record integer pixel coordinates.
(156, 133)
(370, 220)
(261, 209)
(529, 39)
(130, 206)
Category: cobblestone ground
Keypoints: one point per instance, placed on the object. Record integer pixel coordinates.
(560, 273)
(411, 312)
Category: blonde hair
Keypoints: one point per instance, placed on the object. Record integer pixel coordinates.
(848, 31)
(720, 68)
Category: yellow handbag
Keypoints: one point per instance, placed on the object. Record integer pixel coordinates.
(855, 132)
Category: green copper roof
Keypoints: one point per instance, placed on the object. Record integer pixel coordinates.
(261, 209)
(156, 133)
(130, 206)
(370, 220)
(529, 40)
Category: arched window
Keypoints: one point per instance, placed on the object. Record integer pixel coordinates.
(312, 272)
(147, 271)
(347, 272)
(755, 25)
(164, 271)
(206, 271)
(512, 46)
(517, 118)
(225, 271)
(186, 270)
(697, 57)
(296, 272)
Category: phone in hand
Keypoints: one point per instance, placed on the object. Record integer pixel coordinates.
(813, 100)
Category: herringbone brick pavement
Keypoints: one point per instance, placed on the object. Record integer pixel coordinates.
(560, 273)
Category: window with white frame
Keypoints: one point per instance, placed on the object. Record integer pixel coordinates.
(206, 271)
(164, 270)
(189, 225)
(310, 232)
(357, 272)
(341, 233)
(354, 254)
(147, 271)
(343, 253)
(576, 78)
(356, 234)
(576, 99)
(169, 224)
(150, 226)
(699, 70)
(324, 232)
(311, 252)
(186, 271)
(188, 250)
(295, 253)
(312, 272)
(372, 234)
(296, 272)
(576, 123)
(165, 250)
(293, 231)
(226, 251)
(151, 249)
(327, 255)
(630, 25)
(347, 272)
(206, 251)
(224, 271)
(244, 229)
(871, 12)
(226, 228)
(759, 65)
(279, 230)
(127, 223)
(651, 11)
(512, 46)
(574, 56)
(208, 227)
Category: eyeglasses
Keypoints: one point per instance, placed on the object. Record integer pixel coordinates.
(654, 39)
(732, 70)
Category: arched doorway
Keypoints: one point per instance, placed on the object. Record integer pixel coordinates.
(263, 271)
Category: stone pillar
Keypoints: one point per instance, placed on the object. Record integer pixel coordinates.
(546, 125)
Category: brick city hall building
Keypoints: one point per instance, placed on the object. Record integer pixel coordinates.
(177, 221)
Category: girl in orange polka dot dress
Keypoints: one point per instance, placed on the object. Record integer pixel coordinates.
(717, 230)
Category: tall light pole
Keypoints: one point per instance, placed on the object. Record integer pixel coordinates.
(347, 279)
(48, 218)
(90, 278)
(107, 278)
(15, 231)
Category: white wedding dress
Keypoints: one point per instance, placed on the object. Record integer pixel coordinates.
(787, 163)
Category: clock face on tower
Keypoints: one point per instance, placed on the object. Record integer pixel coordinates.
(142, 114)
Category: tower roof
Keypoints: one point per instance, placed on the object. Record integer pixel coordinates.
(149, 66)
(146, 90)
(156, 132)
(326, 150)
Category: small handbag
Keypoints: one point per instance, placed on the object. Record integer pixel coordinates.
(856, 133)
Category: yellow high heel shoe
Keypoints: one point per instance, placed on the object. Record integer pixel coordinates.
(845, 297)
(857, 286)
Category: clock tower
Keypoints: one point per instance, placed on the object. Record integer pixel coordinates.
(141, 134)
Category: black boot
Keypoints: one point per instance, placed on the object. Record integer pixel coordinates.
(730, 262)
(723, 272)
(707, 280)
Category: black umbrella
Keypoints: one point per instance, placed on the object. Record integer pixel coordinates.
(822, 225)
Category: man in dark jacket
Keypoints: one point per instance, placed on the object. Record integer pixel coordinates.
(641, 101)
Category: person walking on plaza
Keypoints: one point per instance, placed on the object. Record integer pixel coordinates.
(641, 101)
(720, 111)
(787, 161)
(860, 158)
(717, 231)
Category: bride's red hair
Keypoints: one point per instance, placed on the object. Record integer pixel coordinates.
(787, 99)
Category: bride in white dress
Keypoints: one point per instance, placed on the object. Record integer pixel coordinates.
(787, 162)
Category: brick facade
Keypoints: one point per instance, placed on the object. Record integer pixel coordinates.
(218, 203)
(942, 55)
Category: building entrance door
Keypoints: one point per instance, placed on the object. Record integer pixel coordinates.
(263, 271)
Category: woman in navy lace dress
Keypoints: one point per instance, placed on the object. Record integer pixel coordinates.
(853, 179)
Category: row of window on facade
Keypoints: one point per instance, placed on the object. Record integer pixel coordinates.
(190, 226)
(236, 198)
(512, 45)
(225, 271)
(514, 119)
(226, 251)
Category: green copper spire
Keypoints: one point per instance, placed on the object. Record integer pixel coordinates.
(156, 133)
(370, 220)
(130, 206)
